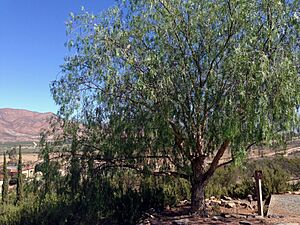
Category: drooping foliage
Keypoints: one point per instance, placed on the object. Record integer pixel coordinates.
(178, 81)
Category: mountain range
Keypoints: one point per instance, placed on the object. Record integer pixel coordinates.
(19, 125)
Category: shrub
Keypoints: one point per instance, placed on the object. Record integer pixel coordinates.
(238, 182)
(227, 181)
(154, 193)
(275, 179)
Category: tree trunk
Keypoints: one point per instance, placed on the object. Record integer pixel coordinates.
(200, 178)
(198, 198)
(198, 182)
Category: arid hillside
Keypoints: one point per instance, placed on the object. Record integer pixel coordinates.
(22, 125)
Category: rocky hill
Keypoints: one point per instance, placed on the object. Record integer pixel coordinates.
(18, 125)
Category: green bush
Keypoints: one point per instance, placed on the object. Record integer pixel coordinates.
(239, 182)
(275, 179)
(227, 181)
(153, 193)
(128, 208)
(52, 210)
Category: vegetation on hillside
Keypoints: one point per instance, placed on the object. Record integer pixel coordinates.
(124, 196)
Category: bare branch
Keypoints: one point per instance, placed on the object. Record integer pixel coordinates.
(142, 171)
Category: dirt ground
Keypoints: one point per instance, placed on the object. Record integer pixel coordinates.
(180, 216)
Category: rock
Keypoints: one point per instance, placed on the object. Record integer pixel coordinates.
(239, 216)
(250, 198)
(287, 205)
(184, 202)
(244, 222)
(237, 202)
(217, 218)
(286, 223)
(245, 205)
(250, 216)
(230, 205)
(258, 217)
(226, 198)
(181, 222)
(223, 202)
(225, 215)
(275, 216)
(145, 222)
(215, 202)
(150, 215)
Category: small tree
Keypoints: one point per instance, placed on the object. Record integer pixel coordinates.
(20, 178)
(46, 168)
(49, 169)
(12, 154)
(74, 168)
(5, 181)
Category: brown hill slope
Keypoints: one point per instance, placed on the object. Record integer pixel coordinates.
(22, 125)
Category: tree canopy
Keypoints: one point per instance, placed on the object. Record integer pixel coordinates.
(183, 80)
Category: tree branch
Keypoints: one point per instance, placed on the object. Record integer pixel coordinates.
(230, 161)
(215, 162)
(142, 171)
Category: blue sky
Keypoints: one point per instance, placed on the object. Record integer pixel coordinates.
(32, 37)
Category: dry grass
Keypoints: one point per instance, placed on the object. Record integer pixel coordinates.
(26, 157)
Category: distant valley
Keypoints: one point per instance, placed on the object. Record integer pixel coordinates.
(18, 125)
